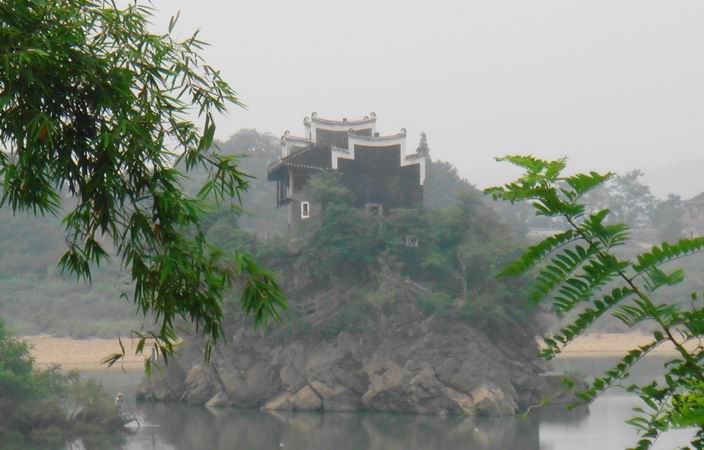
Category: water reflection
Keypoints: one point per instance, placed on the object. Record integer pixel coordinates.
(187, 428)
(91, 442)
(174, 426)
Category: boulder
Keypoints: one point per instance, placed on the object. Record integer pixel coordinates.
(168, 384)
(305, 399)
(218, 400)
(337, 398)
(491, 401)
(200, 385)
(249, 388)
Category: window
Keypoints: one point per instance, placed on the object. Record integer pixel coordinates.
(299, 182)
(305, 210)
(374, 209)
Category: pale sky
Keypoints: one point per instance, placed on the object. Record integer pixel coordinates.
(615, 84)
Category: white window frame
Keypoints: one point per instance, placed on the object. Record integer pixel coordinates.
(305, 210)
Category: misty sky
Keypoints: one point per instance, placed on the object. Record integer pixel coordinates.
(610, 84)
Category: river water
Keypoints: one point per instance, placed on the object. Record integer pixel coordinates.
(173, 426)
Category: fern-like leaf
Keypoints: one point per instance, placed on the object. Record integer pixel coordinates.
(560, 268)
(621, 370)
(582, 183)
(664, 253)
(656, 278)
(584, 320)
(596, 274)
(609, 235)
(536, 253)
(550, 169)
(632, 314)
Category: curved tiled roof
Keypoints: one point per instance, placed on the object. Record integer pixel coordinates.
(313, 154)
(290, 137)
(378, 139)
(310, 157)
(371, 118)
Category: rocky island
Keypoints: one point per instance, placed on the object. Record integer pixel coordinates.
(401, 361)
(389, 266)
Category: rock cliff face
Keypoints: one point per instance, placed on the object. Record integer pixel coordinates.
(399, 361)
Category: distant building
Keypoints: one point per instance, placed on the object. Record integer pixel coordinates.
(693, 217)
(377, 169)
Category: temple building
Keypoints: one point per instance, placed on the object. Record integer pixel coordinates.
(376, 169)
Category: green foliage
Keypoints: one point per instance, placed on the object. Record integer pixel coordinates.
(352, 311)
(261, 298)
(629, 200)
(442, 185)
(32, 399)
(328, 189)
(95, 107)
(36, 298)
(665, 253)
(460, 249)
(16, 369)
(440, 304)
(254, 151)
(346, 243)
(423, 147)
(352, 316)
(579, 269)
(347, 240)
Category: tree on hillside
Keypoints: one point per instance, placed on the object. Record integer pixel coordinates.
(629, 200)
(253, 151)
(579, 269)
(666, 217)
(465, 245)
(346, 241)
(423, 147)
(457, 250)
(96, 107)
(250, 141)
(442, 185)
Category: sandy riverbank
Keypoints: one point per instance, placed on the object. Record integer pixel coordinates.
(79, 354)
(614, 344)
(73, 353)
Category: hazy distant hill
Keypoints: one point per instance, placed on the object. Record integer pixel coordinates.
(36, 298)
(684, 178)
(257, 150)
